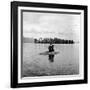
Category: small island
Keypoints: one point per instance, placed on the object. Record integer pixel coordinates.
(53, 40)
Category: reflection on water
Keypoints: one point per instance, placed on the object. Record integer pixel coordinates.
(51, 58)
(36, 61)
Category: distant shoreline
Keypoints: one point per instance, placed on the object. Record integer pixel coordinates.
(48, 41)
(52, 43)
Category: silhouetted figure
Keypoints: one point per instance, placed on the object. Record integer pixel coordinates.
(51, 58)
(51, 48)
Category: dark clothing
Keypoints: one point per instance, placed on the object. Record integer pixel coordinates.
(51, 48)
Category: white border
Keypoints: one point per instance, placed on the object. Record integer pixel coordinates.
(51, 78)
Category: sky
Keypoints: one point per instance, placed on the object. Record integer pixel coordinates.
(64, 26)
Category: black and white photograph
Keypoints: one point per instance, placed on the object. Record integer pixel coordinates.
(50, 44)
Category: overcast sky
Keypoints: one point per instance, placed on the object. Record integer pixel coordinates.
(65, 26)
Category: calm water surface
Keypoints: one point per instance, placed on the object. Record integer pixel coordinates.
(66, 62)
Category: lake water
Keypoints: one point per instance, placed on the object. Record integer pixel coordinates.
(66, 62)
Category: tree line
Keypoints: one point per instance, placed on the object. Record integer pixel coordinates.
(53, 40)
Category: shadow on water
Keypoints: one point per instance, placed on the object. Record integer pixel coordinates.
(51, 58)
